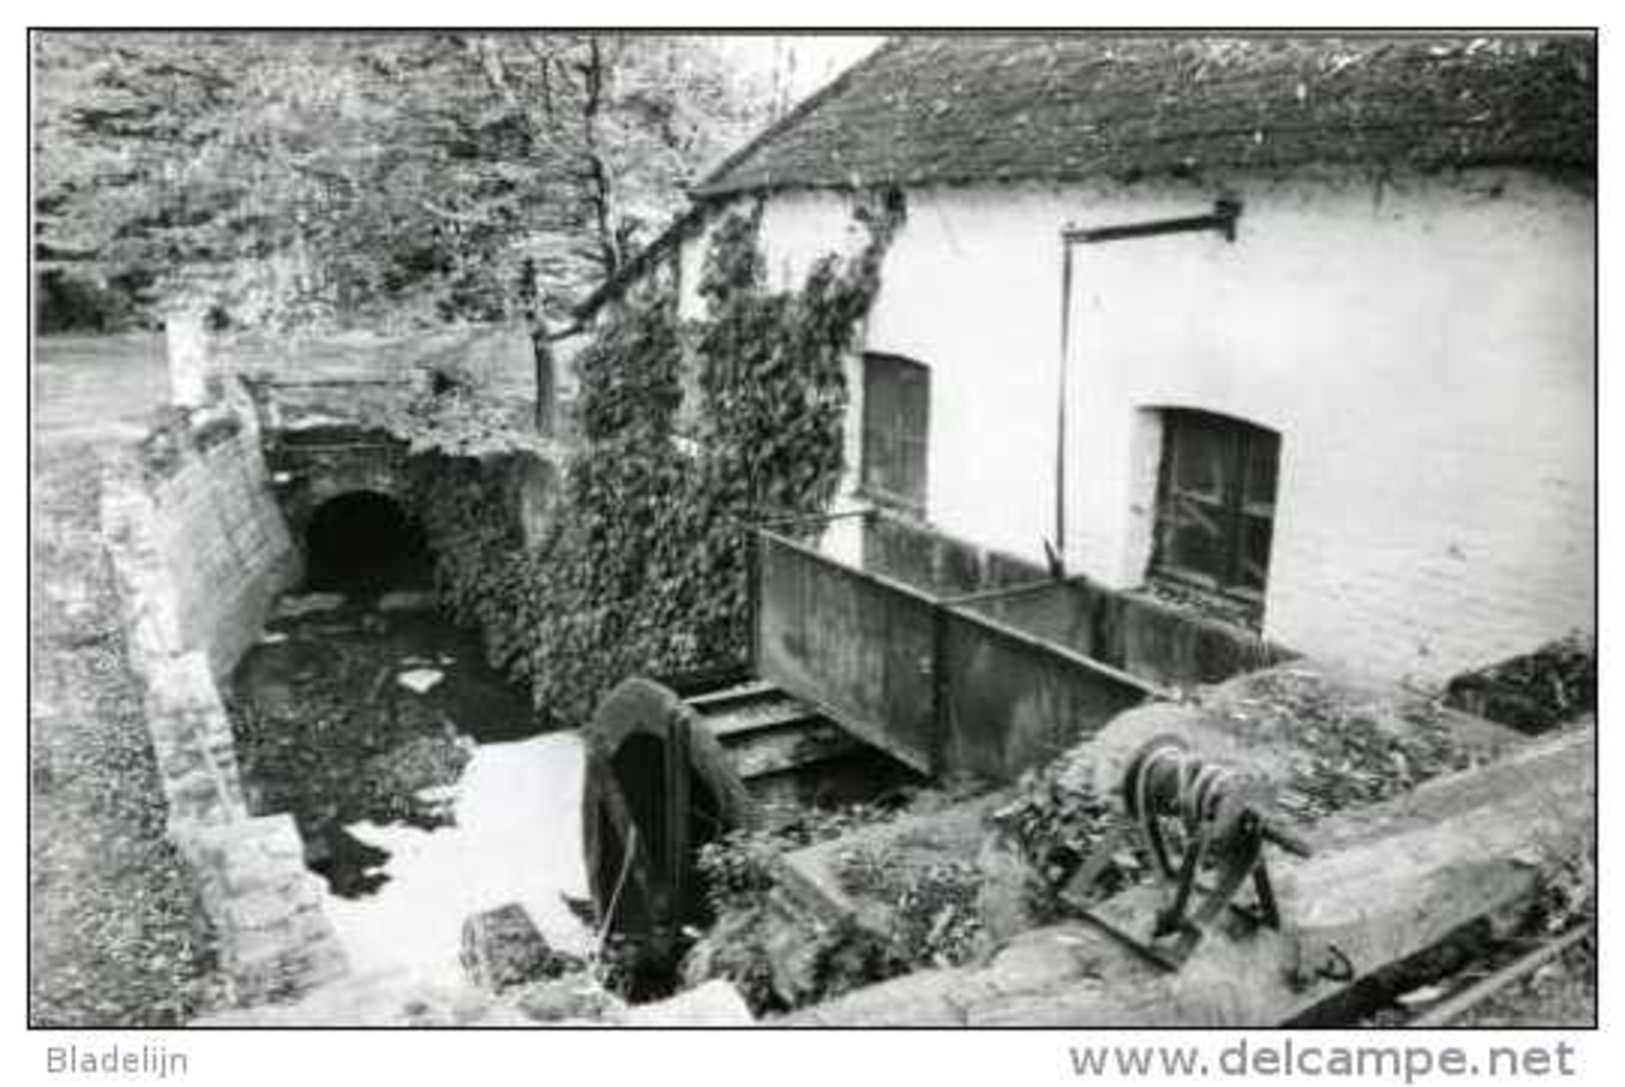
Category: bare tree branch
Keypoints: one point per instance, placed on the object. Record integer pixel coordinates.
(599, 192)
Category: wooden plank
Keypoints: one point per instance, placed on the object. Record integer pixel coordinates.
(709, 702)
(876, 735)
(882, 581)
(1386, 883)
(1001, 593)
(786, 749)
(1010, 703)
(856, 649)
(1460, 1003)
(1042, 647)
(736, 723)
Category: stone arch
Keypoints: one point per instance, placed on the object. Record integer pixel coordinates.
(311, 468)
(364, 540)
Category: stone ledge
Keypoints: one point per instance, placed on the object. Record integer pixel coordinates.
(275, 938)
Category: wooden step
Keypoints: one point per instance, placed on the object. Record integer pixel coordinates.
(767, 731)
(773, 752)
(738, 722)
(712, 701)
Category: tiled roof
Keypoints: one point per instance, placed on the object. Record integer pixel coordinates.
(972, 108)
(965, 109)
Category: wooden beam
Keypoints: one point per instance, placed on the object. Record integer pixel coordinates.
(1385, 883)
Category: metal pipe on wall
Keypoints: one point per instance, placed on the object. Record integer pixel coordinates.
(1226, 211)
(1058, 560)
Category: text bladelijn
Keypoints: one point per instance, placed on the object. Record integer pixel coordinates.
(154, 1061)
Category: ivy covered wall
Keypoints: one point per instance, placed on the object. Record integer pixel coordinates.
(645, 567)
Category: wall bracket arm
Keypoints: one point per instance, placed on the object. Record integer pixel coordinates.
(1226, 211)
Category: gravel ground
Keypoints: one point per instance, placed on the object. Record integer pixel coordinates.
(116, 937)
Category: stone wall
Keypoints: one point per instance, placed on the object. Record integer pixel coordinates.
(198, 488)
(267, 907)
(199, 552)
(498, 356)
(311, 468)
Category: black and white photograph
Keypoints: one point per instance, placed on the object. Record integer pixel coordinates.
(856, 528)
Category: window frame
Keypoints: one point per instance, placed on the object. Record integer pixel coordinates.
(895, 444)
(1236, 506)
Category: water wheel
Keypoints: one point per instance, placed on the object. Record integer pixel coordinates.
(658, 786)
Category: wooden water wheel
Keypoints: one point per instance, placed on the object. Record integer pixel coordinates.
(658, 786)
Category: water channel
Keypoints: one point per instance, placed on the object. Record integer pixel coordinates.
(424, 786)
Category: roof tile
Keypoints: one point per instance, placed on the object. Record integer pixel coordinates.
(967, 108)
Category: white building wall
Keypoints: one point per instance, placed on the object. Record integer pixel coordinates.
(1425, 349)
(971, 289)
(1426, 353)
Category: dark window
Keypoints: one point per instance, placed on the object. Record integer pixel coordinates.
(1216, 509)
(896, 421)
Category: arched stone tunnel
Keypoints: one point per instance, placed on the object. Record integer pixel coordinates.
(365, 542)
(348, 500)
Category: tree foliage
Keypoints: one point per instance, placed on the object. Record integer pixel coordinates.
(364, 178)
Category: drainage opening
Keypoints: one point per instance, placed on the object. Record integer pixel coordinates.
(364, 542)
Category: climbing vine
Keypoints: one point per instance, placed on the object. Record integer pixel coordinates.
(645, 568)
(773, 399)
(467, 507)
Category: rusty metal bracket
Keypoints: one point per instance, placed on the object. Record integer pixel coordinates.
(1203, 828)
(1226, 211)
